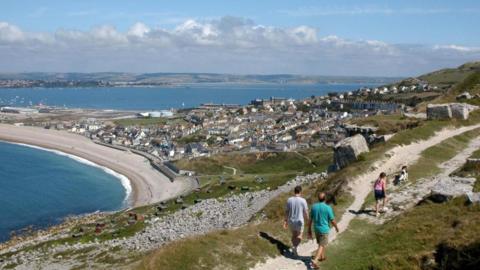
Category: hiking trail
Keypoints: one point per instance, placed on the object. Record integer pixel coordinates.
(361, 186)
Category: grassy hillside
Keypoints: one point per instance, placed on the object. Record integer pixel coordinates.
(430, 236)
(450, 82)
(446, 78)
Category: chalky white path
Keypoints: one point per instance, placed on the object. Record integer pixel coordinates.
(361, 187)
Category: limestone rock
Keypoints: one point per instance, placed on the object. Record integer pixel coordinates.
(439, 111)
(449, 110)
(347, 150)
(450, 187)
(473, 197)
(464, 95)
(459, 111)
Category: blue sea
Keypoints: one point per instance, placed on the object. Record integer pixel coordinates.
(156, 98)
(40, 188)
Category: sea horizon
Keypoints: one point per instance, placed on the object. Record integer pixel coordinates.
(164, 97)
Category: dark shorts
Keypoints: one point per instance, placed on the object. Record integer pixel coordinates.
(322, 239)
(379, 194)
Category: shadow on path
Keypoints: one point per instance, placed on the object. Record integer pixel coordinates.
(284, 250)
(369, 212)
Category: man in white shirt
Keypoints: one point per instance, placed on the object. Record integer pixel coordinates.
(295, 215)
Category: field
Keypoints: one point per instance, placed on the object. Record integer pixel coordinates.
(146, 122)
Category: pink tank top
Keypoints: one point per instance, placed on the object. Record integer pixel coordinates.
(379, 184)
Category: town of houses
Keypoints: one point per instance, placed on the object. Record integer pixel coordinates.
(274, 124)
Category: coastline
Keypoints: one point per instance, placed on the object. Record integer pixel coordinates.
(147, 184)
(126, 183)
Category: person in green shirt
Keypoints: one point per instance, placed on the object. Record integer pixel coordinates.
(321, 216)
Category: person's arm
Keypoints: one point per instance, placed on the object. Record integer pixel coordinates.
(332, 219)
(334, 224)
(310, 221)
(305, 212)
(385, 187)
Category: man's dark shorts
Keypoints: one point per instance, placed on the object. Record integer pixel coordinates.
(322, 239)
(379, 194)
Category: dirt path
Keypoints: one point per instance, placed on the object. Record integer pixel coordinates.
(234, 171)
(305, 157)
(361, 187)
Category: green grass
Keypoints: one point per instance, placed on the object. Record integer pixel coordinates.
(140, 121)
(470, 83)
(387, 124)
(149, 121)
(260, 163)
(405, 241)
(196, 137)
(428, 163)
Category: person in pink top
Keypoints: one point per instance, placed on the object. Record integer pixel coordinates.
(380, 191)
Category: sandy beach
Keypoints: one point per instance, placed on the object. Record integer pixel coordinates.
(148, 184)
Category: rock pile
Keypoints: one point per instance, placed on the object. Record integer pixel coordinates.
(347, 150)
(207, 216)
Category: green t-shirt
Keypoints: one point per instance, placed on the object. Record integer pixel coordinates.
(321, 215)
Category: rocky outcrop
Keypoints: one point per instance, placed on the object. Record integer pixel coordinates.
(459, 111)
(464, 95)
(439, 111)
(450, 187)
(347, 150)
(449, 111)
(473, 197)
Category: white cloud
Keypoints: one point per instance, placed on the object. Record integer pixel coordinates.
(224, 45)
(10, 33)
(138, 30)
(457, 48)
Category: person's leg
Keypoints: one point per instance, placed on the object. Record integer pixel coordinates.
(319, 255)
(376, 207)
(296, 240)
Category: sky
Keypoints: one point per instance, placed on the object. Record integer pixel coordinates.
(351, 38)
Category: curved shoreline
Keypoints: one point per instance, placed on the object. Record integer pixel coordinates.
(148, 185)
(124, 181)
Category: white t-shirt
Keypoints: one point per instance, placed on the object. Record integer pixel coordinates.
(296, 206)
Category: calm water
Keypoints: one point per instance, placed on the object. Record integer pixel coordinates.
(40, 188)
(163, 97)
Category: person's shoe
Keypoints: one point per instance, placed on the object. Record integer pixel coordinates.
(295, 251)
(314, 264)
(377, 215)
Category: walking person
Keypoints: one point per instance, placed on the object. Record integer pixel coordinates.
(295, 215)
(380, 191)
(321, 216)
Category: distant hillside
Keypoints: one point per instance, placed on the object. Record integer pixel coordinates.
(444, 86)
(179, 78)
